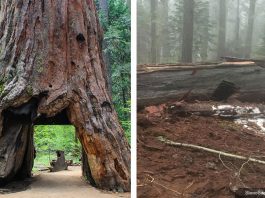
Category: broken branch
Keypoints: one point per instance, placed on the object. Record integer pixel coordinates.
(169, 142)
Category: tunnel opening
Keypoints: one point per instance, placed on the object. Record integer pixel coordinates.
(32, 142)
(56, 147)
(61, 137)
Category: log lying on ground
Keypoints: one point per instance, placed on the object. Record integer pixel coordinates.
(158, 84)
(51, 64)
(258, 62)
(172, 143)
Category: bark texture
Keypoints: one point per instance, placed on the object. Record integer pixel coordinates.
(162, 83)
(51, 62)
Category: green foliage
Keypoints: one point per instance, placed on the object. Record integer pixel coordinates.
(49, 138)
(117, 38)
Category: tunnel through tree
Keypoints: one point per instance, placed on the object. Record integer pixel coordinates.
(51, 63)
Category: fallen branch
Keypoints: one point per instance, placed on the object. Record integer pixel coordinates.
(152, 180)
(249, 159)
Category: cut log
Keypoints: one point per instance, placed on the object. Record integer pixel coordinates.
(161, 84)
(259, 62)
(51, 64)
(59, 164)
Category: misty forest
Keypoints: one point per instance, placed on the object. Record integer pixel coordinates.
(171, 31)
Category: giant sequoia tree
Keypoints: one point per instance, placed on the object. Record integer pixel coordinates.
(52, 71)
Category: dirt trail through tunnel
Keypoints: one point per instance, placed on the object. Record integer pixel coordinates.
(66, 184)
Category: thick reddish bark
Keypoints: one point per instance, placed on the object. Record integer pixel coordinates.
(50, 61)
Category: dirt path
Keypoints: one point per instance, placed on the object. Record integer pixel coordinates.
(66, 184)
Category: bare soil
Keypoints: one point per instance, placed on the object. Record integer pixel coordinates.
(66, 184)
(167, 171)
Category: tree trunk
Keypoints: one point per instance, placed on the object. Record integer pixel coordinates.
(162, 83)
(251, 16)
(187, 42)
(154, 31)
(237, 30)
(222, 29)
(50, 63)
(205, 42)
(104, 9)
(165, 31)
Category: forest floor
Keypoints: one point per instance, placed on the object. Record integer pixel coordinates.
(169, 171)
(66, 184)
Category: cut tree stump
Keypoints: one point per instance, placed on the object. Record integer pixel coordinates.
(162, 83)
(59, 164)
(52, 72)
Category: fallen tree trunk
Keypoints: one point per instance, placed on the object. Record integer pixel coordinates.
(51, 69)
(158, 84)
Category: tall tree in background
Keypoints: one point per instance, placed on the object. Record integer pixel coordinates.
(237, 29)
(251, 16)
(51, 63)
(187, 42)
(104, 8)
(153, 31)
(143, 32)
(202, 30)
(176, 30)
(165, 49)
(118, 39)
(104, 12)
(222, 29)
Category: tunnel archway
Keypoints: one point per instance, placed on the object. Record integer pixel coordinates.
(62, 119)
(18, 133)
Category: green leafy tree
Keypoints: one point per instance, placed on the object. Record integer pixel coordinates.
(49, 138)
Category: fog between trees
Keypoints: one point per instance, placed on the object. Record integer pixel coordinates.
(171, 31)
